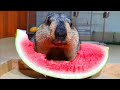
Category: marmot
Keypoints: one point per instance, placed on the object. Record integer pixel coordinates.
(57, 38)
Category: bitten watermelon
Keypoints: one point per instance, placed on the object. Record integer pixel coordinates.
(90, 59)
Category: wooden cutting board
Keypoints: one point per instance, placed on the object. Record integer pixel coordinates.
(110, 71)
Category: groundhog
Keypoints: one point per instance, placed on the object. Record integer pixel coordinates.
(57, 38)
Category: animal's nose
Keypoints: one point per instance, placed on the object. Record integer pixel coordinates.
(60, 32)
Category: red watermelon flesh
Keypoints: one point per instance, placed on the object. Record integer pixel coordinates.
(89, 60)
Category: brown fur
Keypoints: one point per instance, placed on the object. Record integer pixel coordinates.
(44, 37)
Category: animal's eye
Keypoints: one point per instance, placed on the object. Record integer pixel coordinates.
(48, 21)
(70, 22)
(50, 18)
(71, 25)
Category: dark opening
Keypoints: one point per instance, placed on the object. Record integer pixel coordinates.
(56, 54)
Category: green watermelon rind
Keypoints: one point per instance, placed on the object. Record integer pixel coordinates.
(54, 74)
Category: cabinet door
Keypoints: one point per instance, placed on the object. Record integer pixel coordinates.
(10, 21)
(22, 19)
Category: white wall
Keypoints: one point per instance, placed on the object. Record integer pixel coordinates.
(112, 22)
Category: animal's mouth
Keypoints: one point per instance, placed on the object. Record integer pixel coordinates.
(59, 42)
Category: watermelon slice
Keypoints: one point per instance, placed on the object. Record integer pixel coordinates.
(90, 59)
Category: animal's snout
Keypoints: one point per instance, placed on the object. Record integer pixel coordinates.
(60, 32)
